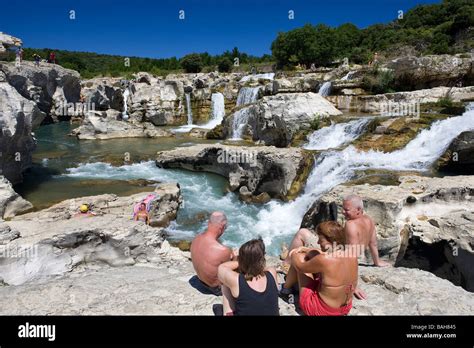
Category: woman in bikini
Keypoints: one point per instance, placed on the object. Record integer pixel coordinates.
(142, 214)
(326, 278)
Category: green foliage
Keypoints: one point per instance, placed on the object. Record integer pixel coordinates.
(378, 82)
(429, 29)
(445, 102)
(224, 65)
(91, 65)
(192, 63)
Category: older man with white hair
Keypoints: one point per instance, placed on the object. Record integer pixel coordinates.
(360, 231)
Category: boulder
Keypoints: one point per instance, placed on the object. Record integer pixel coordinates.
(423, 222)
(103, 93)
(431, 71)
(281, 173)
(375, 103)
(404, 291)
(11, 203)
(8, 42)
(275, 120)
(18, 117)
(106, 125)
(51, 86)
(459, 157)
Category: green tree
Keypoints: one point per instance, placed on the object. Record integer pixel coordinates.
(192, 63)
(224, 65)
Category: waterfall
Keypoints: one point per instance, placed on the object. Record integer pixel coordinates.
(188, 108)
(240, 120)
(336, 167)
(325, 89)
(348, 76)
(266, 76)
(126, 93)
(217, 111)
(247, 95)
(336, 135)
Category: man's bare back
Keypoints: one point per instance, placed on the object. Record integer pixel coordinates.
(207, 254)
(363, 228)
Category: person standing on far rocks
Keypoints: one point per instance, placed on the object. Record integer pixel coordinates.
(37, 59)
(207, 253)
(52, 58)
(360, 231)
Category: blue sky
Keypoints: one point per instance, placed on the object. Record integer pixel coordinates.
(151, 28)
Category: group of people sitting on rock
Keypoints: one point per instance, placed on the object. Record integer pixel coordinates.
(320, 267)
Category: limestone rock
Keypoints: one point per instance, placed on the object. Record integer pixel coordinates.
(104, 93)
(11, 203)
(431, 71)
(105, 125)
(403, 291)
(459, 157)
(275, 120)
(57, 240)
(279, 172)
(50, 86)
(8, 41)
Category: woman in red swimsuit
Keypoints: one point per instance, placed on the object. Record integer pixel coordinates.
(327, 278)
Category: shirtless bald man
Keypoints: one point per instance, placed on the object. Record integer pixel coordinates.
(360, 230)
(207, 253)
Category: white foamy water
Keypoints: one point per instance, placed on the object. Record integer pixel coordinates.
(247, 95)
(336, 167)
(267, 76)
(278, 221)
(336, 135)
(348, 76)
(325, 89)
(217, 111)
(126, 93)
(188, 109)
(239, 121)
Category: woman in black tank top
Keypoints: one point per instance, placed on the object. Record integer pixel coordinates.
(248, 288)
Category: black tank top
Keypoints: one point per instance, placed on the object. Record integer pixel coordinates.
(251, 302)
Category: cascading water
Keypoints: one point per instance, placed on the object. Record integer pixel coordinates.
(325, 89)
(336, 167)
(126, 93)
(188, 108)
(348, 76)
(240, 120)
(247, 95)
(217, 111)
(277, 221)
(266, 76)
(336, 135)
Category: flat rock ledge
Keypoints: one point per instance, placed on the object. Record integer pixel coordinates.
(254, 171)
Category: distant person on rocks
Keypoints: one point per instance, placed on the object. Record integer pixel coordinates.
(52, 58)
(37, 59)
(207, 253)
(374, 60)
(248, 287)
(326, 278)
(84, 211)
(360, 231)
(142, 214)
